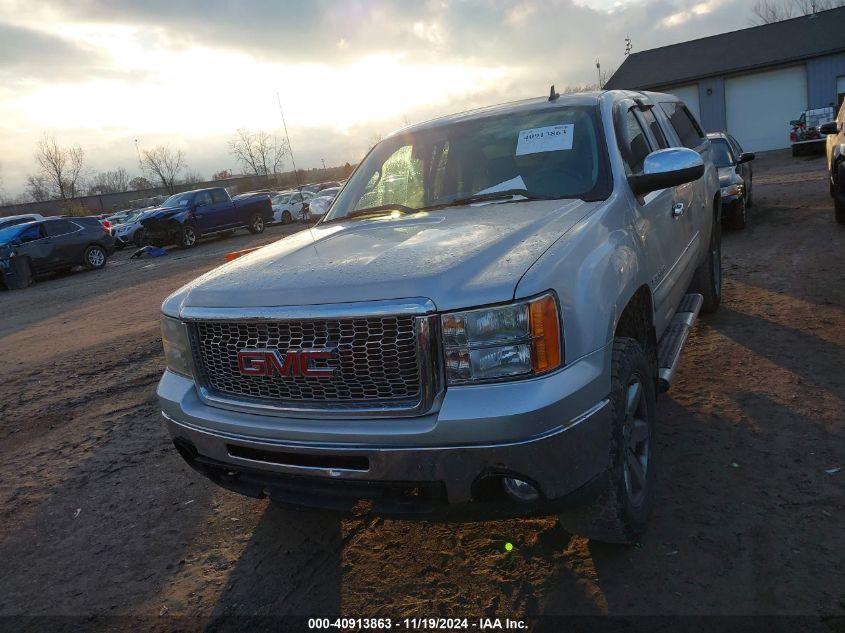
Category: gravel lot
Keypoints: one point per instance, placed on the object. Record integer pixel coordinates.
(99, 517)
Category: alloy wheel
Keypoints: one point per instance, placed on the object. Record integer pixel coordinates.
(635, 437)
(96, 257)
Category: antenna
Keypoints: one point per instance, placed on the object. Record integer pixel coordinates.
(553, 96)
(290, 147)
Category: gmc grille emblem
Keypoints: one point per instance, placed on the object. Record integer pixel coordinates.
(295, 362)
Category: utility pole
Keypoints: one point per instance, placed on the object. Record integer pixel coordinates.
(138, 151)
(290, 147)
(598, 70)
(324, 162)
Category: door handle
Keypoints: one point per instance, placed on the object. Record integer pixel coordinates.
(677, 210)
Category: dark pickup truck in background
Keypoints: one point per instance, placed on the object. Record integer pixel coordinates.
(186, 217)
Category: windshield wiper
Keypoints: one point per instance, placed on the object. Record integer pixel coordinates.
(393, 206)
(493, 195)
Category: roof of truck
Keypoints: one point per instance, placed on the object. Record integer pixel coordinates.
(525, 105)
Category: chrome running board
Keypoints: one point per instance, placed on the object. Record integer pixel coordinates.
(672, 343)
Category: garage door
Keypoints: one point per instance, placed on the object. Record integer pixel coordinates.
(760, 106)
(689, 95)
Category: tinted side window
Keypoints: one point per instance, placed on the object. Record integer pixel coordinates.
(633, 143)
(61, 227)
(218, 196)
(656, 130)
(32, 233)
(684, 123)
(201, 198)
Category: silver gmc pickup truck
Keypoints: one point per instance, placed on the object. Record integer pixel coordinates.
(478, 327)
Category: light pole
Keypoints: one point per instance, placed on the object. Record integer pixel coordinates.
(290, 147)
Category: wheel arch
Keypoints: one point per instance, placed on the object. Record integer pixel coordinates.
(636, 321)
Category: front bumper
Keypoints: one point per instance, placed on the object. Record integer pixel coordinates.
(553, 432)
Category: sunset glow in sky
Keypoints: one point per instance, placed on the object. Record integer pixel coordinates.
(103, 74)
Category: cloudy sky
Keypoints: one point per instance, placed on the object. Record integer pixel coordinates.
(103, 73)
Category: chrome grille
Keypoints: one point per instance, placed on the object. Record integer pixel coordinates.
(377, 360)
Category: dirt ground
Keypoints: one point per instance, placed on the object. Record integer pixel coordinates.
(99, 516)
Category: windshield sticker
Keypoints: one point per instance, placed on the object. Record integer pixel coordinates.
(553, 138)
(513, 183)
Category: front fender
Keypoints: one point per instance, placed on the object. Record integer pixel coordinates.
(595, 269)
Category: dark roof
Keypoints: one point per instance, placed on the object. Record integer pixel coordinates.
(768, 45)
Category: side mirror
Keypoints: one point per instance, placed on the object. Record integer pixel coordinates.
(667, 168)
(746, 157)
(831, 127)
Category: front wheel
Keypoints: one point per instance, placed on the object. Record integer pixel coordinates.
(95, 257)
(286, 217)
(739, 214)
(188, 237)
(256, 223)
(707, 280)
(626, 489)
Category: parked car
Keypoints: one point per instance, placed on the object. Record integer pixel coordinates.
(287, 205)
(129, 231)
(11, 220)
(835, 151)
(317, 206)
(805, 135)
(736, 178)
(186, 217)
(59, 243)
(488, 342)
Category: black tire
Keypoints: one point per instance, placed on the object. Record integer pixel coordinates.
(748, 199)
(738, 217)
(287, 218)
(839, 191)
(188, 236)
(626, 489)
(707, 280)
(256, 223)
(94, 257)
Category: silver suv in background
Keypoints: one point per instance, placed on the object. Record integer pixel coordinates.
(478, 327)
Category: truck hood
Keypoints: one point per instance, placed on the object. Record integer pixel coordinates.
(457, 257)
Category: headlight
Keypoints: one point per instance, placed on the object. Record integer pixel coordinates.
(732, 190)
(517, 340)
(177, 349)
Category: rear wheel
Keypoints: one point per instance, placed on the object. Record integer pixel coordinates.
(95, 257)
(707, 280)
(188, 237)
(620, 511)
(286, 217)
(256, 223)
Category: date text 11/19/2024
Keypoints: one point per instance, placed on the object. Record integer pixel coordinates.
(417, 624)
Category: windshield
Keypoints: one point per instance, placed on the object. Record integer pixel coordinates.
(554, 153)
(722, 155)
(179, 200)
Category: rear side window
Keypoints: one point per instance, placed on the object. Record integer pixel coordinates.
(61, 227)
(684, 123)
(218, 196)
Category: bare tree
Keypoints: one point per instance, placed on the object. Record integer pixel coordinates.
(258, 152)
(60, 167)
(112, 181)
(192, 177)
(771, 11)
(164, 165)
(139, 182)
(37, 188)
